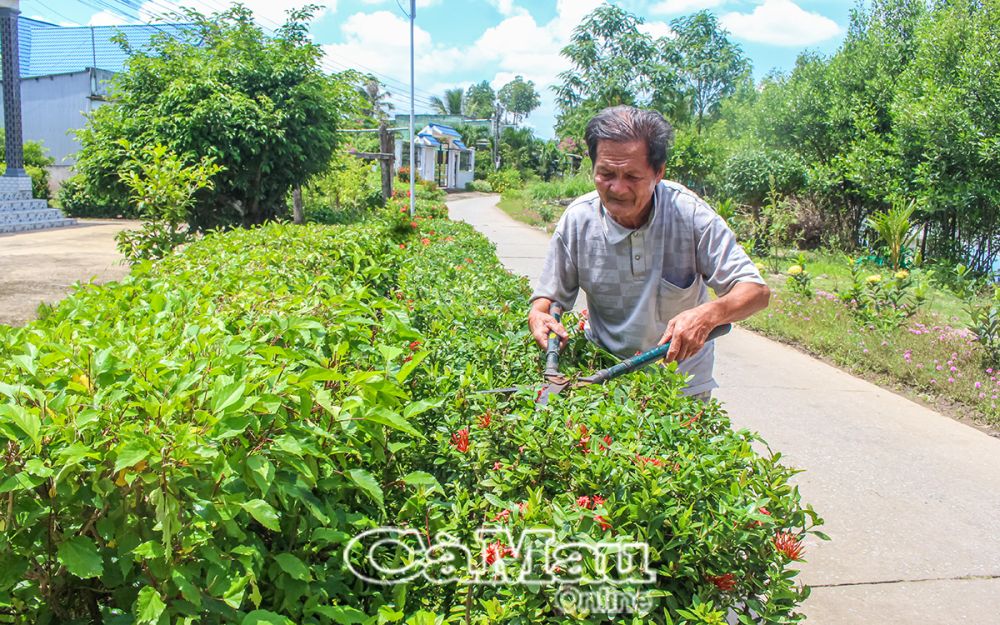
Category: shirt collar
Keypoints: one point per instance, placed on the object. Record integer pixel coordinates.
(615, 233)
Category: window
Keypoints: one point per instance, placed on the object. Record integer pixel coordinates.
(465, 160)
(404, 160)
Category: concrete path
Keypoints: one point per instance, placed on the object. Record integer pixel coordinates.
(41, 266)
(910, 498)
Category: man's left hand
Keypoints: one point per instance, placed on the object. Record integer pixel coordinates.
(687, 333)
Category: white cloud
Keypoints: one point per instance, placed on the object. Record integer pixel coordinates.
(781, 23)
(373, 2)
(657, 29)
(105, 18)
(518, 45)
(506, 7)
(668, 7)
(267, 13)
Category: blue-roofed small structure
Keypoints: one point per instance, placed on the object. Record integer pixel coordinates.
(441, 156)
(65, 74)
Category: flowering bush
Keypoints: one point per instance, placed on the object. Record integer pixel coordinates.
(799, 280)
(985, 323)
(884, 304)
(926, 353)
(187, 450)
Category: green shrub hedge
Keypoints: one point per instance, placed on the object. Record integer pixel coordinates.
(200, 442)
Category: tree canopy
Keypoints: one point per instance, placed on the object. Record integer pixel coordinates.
(260, 106)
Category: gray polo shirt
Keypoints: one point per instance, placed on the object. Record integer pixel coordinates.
(636, 281)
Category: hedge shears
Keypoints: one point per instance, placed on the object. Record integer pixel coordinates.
(555, 382)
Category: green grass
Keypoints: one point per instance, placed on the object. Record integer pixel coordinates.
(831, 273)
(540, 204)
(931, 355)
(532, 212)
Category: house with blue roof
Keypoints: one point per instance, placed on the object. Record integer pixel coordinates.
(65, 74)
(441, 156)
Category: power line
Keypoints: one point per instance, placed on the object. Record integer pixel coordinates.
(326, 62)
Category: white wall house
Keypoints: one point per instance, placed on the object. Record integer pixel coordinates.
(441, 156)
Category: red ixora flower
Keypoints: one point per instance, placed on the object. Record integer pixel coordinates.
(725, 583)
(598, 500)
(584, 443)
(413, 225)
(583, 501)
(414, 346)
(502, 516)
(495, 551)
(606, 442)
(485, 419)
(497, 465)
(644, 460)
(789, 545)
(425, 241)
(604, 523)
(460, 440)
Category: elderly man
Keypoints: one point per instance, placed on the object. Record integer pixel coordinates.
(644, 250)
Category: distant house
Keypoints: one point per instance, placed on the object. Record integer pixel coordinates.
(65, 71)
(441, 156)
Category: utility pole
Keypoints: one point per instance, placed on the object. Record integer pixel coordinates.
(298, 213)
(387, 147)
(413, 162)
(9, 10)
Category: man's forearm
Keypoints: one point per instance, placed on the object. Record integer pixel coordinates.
(742, 301)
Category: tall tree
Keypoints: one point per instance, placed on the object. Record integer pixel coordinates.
(613, 62)
(376, 99)
(451, 104)
(518, 98)
(710, 65)
(480, 101)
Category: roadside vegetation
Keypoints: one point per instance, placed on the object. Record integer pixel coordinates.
(183, 449)
(838, 176)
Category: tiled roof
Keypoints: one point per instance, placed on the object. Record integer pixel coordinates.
(51, 49)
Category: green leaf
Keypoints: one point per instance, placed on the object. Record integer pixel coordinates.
(80, 557)
(419, 407)
(130, 454)
(261, 472)
(264, 617)
(345, 615)
(422, 478)
(367, 483)
(28, 423)
(228, 396)
(263, 513)
(293, 566)
(410, 366)
(148, 606)
(422, 617)
(188, 590)
(386, 417)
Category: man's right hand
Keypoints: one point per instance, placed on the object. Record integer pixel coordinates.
(540, 322)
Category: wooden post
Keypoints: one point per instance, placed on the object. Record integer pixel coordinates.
(387, 147)
(298, 215)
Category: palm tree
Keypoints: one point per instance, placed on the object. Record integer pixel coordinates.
(377, 103)
(451, 104)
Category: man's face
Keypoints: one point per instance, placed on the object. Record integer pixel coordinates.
(625, 180)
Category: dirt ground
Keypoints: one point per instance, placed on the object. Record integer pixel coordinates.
(42, 266)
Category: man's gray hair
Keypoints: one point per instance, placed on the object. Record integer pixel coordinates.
(622, 124)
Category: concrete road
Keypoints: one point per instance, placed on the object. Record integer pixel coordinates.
(42, 266)
(910, 497)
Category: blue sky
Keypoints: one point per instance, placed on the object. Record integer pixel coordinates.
(459, 42)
